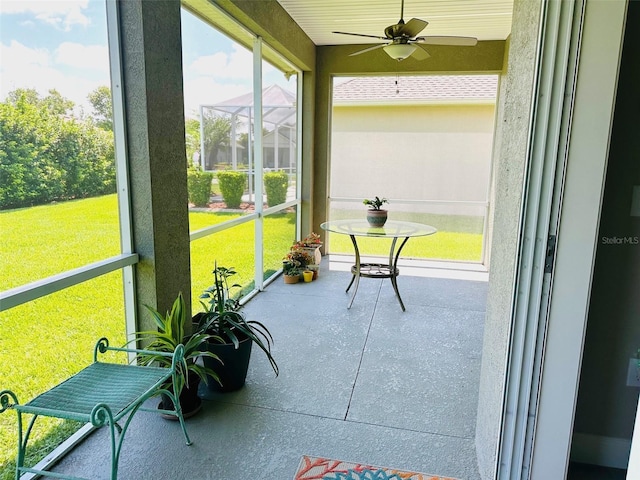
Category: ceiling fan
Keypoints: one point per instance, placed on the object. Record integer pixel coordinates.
(401, 40)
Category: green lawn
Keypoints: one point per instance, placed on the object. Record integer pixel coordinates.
(454, 246)
(51, 338)
(458, 237)
(42, 241)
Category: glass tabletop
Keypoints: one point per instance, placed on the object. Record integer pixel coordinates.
(391, 229)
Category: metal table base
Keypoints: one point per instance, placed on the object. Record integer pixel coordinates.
(376, 270)
(392, 230)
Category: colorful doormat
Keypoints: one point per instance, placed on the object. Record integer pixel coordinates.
(314, 468)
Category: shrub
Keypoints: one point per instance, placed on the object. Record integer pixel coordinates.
(46, 156)
(199, 186)
(276, 184)
(232, 185)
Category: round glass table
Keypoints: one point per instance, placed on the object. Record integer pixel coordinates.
(391, 229)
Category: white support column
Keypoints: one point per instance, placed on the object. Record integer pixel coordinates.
(257, 105)
(276, 147)
(122, 170)
(201, 160)
(234, 142)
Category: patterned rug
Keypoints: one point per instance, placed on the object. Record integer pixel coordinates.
(314, 468)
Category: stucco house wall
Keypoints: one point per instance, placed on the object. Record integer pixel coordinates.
(433, 152)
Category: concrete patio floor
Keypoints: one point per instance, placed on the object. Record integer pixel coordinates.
(370, 385)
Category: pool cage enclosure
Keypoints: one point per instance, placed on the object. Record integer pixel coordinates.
(227, 134)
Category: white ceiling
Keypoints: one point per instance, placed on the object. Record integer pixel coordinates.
(483, 19)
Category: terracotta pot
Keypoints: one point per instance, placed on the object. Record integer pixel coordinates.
(314, 269)
(291, 278)
(376, 218)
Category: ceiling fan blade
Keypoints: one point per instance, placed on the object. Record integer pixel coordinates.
(368, 49)
(448, 40)
(362, 35)
(420, 53)
(412, 28)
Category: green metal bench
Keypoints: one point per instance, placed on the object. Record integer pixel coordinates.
(101, 394)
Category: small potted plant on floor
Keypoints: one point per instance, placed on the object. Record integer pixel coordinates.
(232, 335)
(376, 216)
(311, 244)
(295, 262)
(291, 271)
(170, 334)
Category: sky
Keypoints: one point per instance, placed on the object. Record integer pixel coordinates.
(62, 45)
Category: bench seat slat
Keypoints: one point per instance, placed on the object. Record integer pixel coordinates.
(115, 385)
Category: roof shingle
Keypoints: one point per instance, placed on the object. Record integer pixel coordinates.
(422, 88)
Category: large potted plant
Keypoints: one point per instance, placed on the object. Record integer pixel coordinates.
(376, 215)
(169, 334)
(232, 335)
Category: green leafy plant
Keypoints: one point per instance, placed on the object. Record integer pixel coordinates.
(170, 334)
(299, 256)
(232, 185)
(199, 186)
(223, 319)
(290, 267)
(376, 203)
(275, 185)
(311, 240)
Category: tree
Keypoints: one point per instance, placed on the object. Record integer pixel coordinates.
(23, 95)
(54, 103)
(57, 104)
(217, 129)
(192, 138)
(100, 100)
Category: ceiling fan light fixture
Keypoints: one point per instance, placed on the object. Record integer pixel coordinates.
(399, 51)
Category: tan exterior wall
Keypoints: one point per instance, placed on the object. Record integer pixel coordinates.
(427, 152)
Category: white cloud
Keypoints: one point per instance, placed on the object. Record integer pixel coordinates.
(24, 67)
(206, 91)
(236, 65)
(211, 79)
(61, 14)
(16, 55)
(76, 55)
(209, 64)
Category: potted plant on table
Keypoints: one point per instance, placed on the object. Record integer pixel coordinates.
(231, 334)
(376, 215)
(170, 334)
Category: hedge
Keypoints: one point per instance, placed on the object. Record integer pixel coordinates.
(276, 184)
(232, 185)
(199, 186)
(45, 157)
